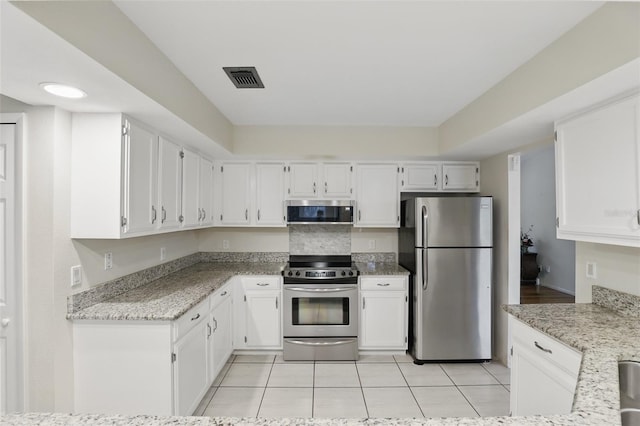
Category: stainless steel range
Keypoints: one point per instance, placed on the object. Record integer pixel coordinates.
(320, 308)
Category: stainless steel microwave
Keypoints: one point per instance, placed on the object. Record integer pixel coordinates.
(327, 212)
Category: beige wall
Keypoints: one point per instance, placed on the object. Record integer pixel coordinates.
(604, 41)
(495, 183)
(617, 268)
(277, 240)
(328, 142)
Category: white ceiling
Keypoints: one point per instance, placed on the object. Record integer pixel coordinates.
(399, 63)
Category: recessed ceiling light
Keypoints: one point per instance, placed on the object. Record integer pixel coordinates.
(63, 90)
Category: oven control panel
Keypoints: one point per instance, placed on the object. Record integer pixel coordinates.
(320, 273)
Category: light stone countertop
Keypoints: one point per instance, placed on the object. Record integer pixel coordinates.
(380, 268)
(168, 298)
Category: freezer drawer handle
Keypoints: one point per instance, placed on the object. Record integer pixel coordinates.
(543, 349)
(383, 284)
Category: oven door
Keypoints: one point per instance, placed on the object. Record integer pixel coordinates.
(320, 310)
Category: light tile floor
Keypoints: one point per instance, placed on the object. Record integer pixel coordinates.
(374, 386)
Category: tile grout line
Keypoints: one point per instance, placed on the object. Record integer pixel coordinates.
(458, 389)
(410, 390)
(264, 391)
(364, 399)
(313, 389)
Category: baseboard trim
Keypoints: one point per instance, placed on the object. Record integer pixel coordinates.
(561, 290)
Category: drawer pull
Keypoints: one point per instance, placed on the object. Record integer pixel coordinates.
(383, 284)
(262, 284)
(224, 293)
(195, 318)
(543, 349)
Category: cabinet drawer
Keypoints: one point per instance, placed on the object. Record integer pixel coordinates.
(547, 347)
(383, 282)
(220, 295)
(190, 319)
(266, 282)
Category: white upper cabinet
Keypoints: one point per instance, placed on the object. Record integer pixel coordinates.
(205, 196)
(320, 180)
(337, 180)
(461, 176)
(190, 189)
(169, 178)
(270, 194)
(378, 198)
(598, 174)
(233, 183)
(114, 177)
(303, 180)
(420, 176)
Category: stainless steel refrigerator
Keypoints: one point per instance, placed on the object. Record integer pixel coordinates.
(446, 243)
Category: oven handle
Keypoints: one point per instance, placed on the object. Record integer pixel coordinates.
(321, 290)
(339, 342)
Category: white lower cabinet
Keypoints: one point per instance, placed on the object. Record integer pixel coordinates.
(190, 369)
(258, 313)
(544, 373)
(383, 312)
(220, 332)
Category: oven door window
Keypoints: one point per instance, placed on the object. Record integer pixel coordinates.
(320, 310)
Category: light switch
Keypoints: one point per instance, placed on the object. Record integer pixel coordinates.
(591, 270)
(108, 261)
(76, 275)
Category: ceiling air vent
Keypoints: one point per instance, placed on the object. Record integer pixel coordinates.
(244, 77)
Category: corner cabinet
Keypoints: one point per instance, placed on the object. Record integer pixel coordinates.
(258, 313)
(377, 196)
(544, 373)
(598, 174)
(383, 312)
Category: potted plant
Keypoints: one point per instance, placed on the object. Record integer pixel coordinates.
(526, 240)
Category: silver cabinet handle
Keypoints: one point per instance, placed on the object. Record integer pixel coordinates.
(276, 303)
(154, 214)
(446, 180)
(208, 330)
(224, 293)
(383, 284)
(199, 214)
(204, 214)
(164, 214)
(359, 215)
(638, 216)
(363, 303)
(246, 214)
(543, 349)
(262, 284)
(326, 189)
(216, 325)
(435, 180)
(314, 187)
(195, 318)
(258, 214)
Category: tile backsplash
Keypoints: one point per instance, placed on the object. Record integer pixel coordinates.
(320, 239)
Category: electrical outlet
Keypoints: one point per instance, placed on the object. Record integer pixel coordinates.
(76, 275)
(547, 269)
(163, 253)
(108, 261)
(591, 270)
(225, 244)
(372, 244)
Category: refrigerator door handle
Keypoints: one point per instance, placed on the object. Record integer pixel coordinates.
(425, 269)
(425, 226)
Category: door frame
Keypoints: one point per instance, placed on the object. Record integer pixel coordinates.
(513, 242)
(18, 119)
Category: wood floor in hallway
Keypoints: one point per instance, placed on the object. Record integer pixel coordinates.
(531, 293)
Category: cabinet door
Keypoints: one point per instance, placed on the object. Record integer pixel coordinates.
(190, 188)
(235, 182)
(378, 199)
(420, 177)
(598, 175)
(169, 179)
(303, 180)
(270, 194)
(338, 181)
(221, 344)
(205, 194)
(383, 319)
(263, 319)
(140, 170)
(461, 177)
(190, 370)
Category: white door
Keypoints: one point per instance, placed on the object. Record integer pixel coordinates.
(141, 168)
(206, 192)
(420, 177)
(9, 389)
(221, 336)
(270, 194)
(235, 182)
(337, 180)
(460, 177)
(383, 320)
(303, 180)
(378, 198)
(190, 370)
(190, 182)
(263, 319)
(170, 179)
